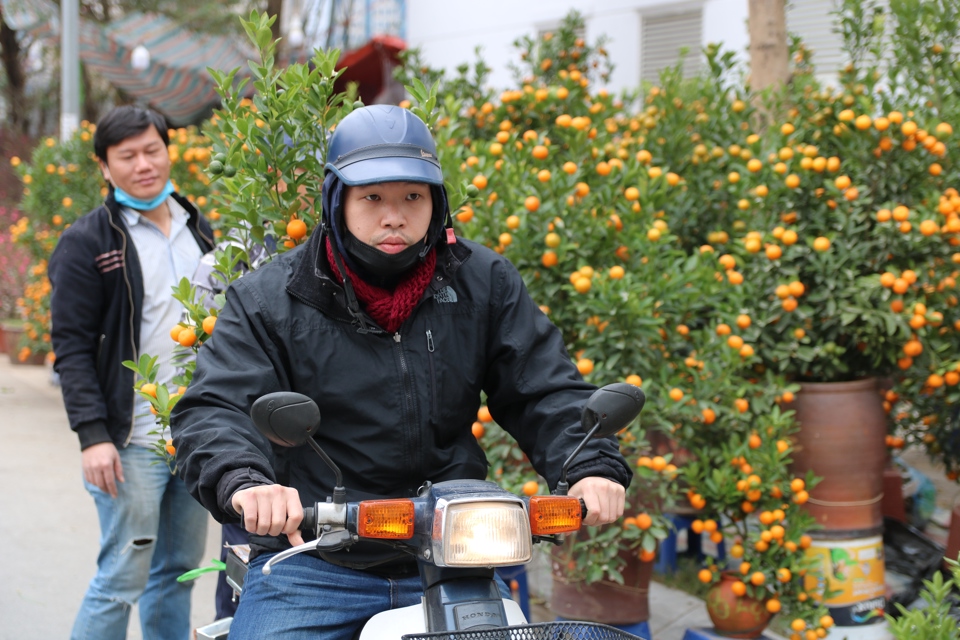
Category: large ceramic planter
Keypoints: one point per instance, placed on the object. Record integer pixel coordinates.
(8, 327)
(735, 616)
(604, 601)
(841, 439)
(34, 359)
(11, 340)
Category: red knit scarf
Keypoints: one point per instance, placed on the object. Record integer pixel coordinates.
(389, 308)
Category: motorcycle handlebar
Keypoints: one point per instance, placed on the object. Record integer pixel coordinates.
(309, 522)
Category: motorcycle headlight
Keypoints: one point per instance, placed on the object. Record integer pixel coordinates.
(481, 534)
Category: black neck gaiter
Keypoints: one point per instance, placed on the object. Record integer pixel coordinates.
(377, 267)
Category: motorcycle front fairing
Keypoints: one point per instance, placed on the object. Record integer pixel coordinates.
(465, 527)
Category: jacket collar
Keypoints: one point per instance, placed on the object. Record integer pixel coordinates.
(115, 212)
(313, 283)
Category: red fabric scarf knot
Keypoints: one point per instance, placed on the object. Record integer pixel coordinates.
(389, 308)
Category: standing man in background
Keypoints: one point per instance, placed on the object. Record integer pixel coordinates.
(112, 273)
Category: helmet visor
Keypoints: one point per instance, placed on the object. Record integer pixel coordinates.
(387, 163)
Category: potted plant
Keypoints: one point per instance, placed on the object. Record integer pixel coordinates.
(935, 620)
(846, 239)
(922, 398)
(728, 263)
(750, 499)
(568, 190)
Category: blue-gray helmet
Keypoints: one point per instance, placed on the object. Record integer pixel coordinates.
(383, 143)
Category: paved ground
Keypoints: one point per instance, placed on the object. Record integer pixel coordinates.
(48, 522)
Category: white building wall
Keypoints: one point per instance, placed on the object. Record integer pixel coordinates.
(448, 31)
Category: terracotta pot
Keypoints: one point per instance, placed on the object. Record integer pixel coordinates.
(11, 337)
(605, 602)
(732, 615)
(35, 359)
(841, 439)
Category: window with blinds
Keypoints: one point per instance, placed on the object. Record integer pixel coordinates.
(813, 21)
(662, 39)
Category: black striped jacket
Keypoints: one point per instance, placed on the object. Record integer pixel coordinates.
(95, 310)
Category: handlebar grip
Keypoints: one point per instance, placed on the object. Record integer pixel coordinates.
(583, 509)
(309, 522)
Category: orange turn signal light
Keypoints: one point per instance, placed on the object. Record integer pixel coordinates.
(550, 515)
(385, 519)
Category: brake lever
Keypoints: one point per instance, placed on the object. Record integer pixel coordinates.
(333, 541)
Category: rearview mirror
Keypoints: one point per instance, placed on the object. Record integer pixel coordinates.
(613, 407)
(286, 418)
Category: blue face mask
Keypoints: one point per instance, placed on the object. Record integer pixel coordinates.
(125, 199)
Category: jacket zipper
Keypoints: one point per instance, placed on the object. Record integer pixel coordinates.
(434, 400)
(408, 395)
(133, 346)
(103, 337)
(196, 225)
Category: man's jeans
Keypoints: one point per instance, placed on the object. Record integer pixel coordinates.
(305, 598)
(152, 532)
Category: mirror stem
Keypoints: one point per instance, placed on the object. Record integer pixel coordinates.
(562, 486)
(339, 493)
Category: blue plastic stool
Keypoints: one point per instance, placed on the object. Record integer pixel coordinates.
(704, 633)
(522, 594)
(640, 629)
(667, 555)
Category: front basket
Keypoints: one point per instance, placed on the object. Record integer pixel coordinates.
(539, 631)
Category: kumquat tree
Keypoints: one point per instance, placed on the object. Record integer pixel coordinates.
(265, 164)
(714, 246)
(597, 204)
(688, 244)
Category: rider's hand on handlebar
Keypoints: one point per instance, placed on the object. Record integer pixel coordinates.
(604, 499)
(269, 510)
(101, 467)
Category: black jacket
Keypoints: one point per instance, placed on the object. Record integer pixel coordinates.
(396, 409)
(95, 316)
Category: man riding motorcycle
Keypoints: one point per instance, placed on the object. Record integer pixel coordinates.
(394, 326)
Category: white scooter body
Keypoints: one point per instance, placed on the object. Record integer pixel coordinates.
(396, 623)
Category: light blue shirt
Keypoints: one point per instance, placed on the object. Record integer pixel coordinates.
(163, 262)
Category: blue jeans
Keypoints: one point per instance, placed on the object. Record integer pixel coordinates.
(152, 532)
(306, 598)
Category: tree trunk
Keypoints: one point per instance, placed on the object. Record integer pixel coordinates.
(768, 44)
(274, 8)
(16, 79)
(90, 105)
